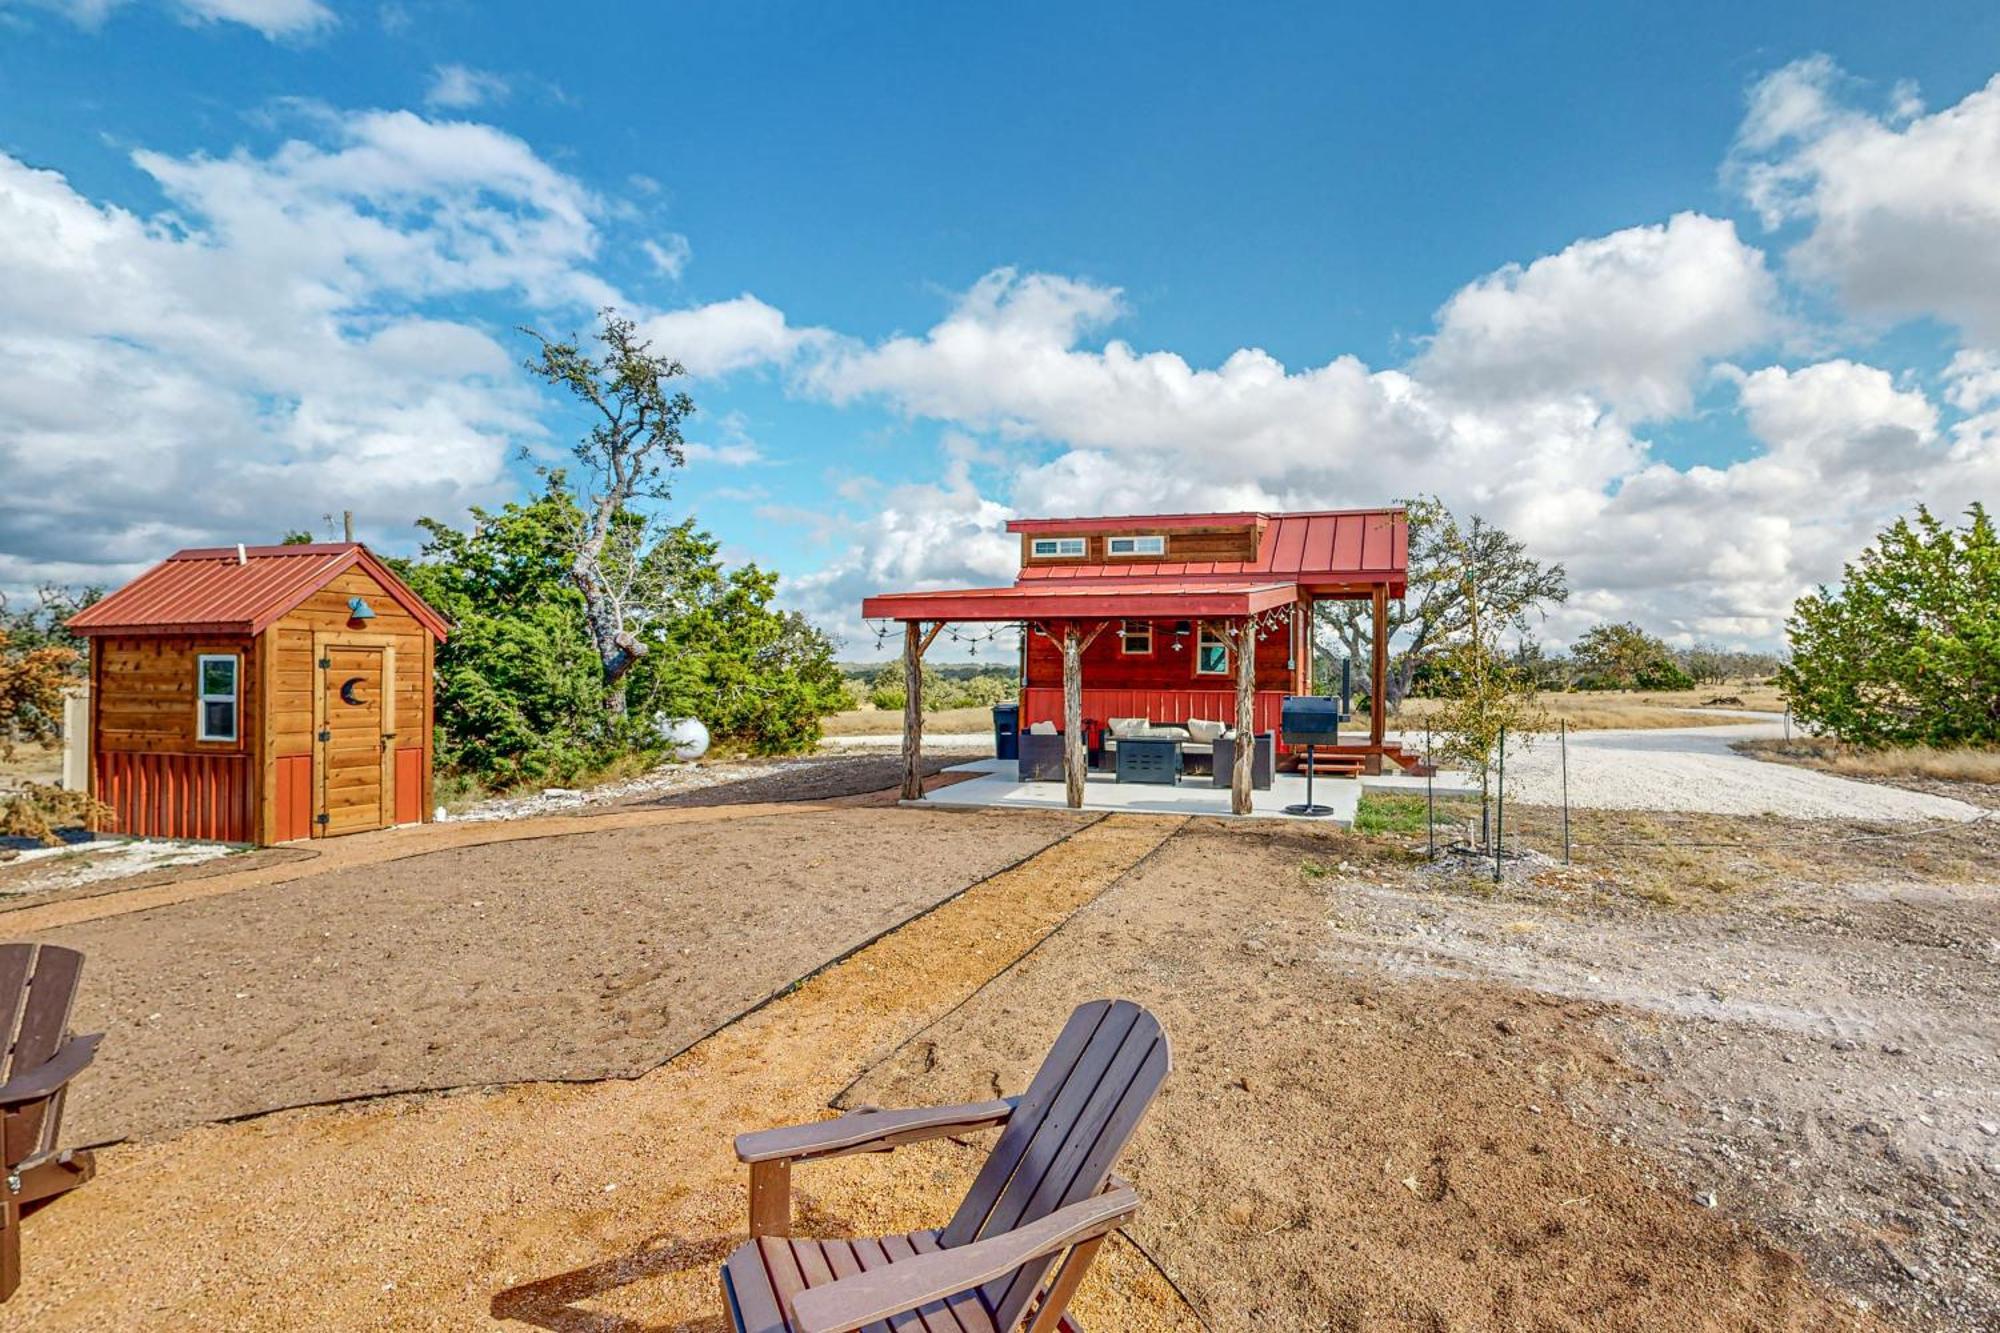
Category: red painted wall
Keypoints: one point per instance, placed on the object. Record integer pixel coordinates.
(1107, 666)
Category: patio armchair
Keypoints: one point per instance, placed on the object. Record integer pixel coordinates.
(1041, 756)
(1012, 1256)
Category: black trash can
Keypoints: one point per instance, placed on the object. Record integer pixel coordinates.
(1007, 731)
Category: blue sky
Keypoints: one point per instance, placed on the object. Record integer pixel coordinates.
(1611, 274)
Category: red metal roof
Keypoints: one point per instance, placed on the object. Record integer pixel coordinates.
(210, 590)
(1070, 601)
(1127, 522)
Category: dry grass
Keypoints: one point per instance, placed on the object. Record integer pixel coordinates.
(1607, 710)
(1960, 764)
(31, 763)
(889, 721)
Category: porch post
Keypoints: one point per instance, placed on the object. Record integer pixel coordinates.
(1378, 680)
(1246, 717)
(1074, 754)
(913, 710)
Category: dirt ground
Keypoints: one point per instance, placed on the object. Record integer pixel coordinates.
(576, 956)
(561, 1206)
(1723, 1074)
(1353, 1151)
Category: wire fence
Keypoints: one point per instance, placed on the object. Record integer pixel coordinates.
(1483, 819)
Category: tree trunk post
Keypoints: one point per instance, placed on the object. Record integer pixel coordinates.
(1074, 754)
(1378, 679)
(913, 710)
(1246, 717)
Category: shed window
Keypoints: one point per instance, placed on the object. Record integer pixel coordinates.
(1138, 637)
(1154, 545)
(1211, 656)
(1060, 548)
(216, 681)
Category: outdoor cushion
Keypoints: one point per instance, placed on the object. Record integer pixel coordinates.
(1129, 726)
(1201, 729)
(1041, 728)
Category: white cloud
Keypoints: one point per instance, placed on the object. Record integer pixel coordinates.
(275, 347)
(1629, 318)
(1509, 413)
(276, 19)
(273, 18)
(740, 333)
(1902, 210)
(457, 87)
(669, 254)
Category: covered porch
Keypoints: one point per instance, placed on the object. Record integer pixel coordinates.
(1255, 635)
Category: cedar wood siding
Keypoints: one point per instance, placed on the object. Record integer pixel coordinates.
(145, 761)
(1185, 545)
(294, 679)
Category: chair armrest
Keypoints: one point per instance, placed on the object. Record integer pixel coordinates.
(863, 1298)
(869, 1131)
(47, 1078)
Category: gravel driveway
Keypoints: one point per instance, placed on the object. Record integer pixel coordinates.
(1693, 769)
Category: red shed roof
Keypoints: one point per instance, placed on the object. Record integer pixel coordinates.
(211, 590)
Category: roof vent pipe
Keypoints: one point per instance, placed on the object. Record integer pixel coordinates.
(242, 556)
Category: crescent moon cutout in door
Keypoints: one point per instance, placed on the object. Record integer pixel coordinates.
(347, 688)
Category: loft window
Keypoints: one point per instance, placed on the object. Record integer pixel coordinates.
(1057, 548)
(216, 682)
(1138, 636)
(1154, 545)
(1211, 656)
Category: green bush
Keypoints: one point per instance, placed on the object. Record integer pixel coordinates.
(1907, 649)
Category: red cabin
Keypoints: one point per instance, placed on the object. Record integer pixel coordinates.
(1159, 603)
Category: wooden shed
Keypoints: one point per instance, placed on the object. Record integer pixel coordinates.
(261, 694)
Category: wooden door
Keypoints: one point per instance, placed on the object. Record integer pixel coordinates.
(356, 787)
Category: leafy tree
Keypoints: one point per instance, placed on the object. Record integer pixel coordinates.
(1907, 649)
(756, 676)
(1434, 613)
(633, 440)
(518, 682)
(296, 537)
(1625, 657)
(33, 677)
(1486, 696)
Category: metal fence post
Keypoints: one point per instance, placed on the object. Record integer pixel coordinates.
(1565, 785)
(1500, 807)
(1430, 799)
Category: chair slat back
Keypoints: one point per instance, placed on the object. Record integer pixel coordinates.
(1065, 1136)
(38, 985)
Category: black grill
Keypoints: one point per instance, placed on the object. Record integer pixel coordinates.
(1308, 719)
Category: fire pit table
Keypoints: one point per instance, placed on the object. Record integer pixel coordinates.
(1154, 759)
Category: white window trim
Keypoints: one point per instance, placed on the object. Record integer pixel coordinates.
(1153, 544)
(1202, 635)
(1057, 548)
(203, 698)
(1125, 637)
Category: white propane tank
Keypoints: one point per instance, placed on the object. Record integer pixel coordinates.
(686, 737)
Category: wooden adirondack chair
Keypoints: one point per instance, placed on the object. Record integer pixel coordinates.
(38, 1058)
(1046, 1191)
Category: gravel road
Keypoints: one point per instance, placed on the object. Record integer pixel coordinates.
(1693, 769)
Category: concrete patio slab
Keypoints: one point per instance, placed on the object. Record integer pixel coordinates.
(997, 785)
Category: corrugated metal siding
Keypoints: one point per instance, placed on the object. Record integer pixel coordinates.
(177, 795)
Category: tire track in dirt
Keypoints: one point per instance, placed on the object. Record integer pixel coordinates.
(563, 1205)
